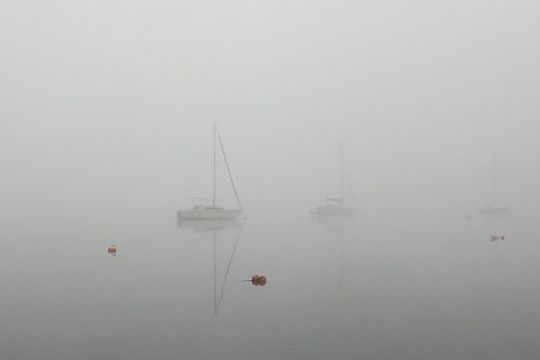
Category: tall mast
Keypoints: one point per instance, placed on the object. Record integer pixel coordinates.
(214, 193)
(341, 172)
(495, 180)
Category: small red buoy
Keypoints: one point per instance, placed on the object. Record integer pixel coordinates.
(112, 250)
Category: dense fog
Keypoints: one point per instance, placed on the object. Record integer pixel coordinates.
(110, 105)
(107, 111)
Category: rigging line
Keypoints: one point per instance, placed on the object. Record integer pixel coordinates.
(495, 190)
(215, 273)
(341, 171)
(228, 170)
(225, 278)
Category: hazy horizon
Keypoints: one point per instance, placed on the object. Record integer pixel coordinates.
(107, 113)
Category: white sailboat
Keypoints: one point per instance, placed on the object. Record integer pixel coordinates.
(212, 212)
(494, 210)
(336, 206)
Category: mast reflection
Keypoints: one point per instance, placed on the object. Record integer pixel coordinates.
(215, 228)
(338, 228)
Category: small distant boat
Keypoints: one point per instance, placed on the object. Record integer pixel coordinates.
(493, 210)
(212, 212)
(336, 206)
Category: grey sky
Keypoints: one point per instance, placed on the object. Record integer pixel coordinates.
(111, 103)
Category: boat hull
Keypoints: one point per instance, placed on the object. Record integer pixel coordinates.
(494, 211)
(208, 225)
(208, 214)
(333, 211)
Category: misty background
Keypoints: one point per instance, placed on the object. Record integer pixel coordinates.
(107, 107)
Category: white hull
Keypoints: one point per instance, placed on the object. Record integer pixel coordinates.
(494, 211)
(208, 213)
(333, 211)
(208, 225)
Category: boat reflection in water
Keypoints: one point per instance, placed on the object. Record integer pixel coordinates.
(213, 228)
(334, 223)
(338, 229)
(202, 226)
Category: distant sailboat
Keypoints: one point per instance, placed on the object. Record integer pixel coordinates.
(213, 212)
(494, 210)
(336, 206)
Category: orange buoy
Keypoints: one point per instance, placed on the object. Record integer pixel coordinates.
(112, 250)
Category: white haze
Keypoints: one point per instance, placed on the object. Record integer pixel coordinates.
(107, 107)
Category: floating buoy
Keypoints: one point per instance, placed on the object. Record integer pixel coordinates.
(258, 280)
(112, 250)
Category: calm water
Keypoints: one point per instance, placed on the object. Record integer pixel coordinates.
(401, 287)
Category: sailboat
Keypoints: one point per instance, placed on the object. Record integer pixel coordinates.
(494, 210)
(212, 212)
(336, 206)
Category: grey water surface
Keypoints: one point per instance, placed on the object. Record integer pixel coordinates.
(434, 288)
